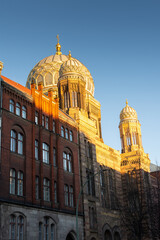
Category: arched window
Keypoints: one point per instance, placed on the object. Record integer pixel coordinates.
(11, 106)
(40, 231)
(117, 236)
(46, 189)
(67, 162)
(46, 228)
(62, 131)
(52, 232)
(13, 141)
(66, 100)
(20, 143)
(16, 143)
(107, 235)
(20, 183)
(24, 112)
(70, 135)
(12, 181)
(74, 99)
(20, 228)
(128, 139)
(12, 227)
(45, 149)
(18, 109)
(134, 138)
(66, 133)
(92, 217)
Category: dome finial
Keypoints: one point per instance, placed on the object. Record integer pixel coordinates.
(126, 102)
(69, 55)
(1, 67)
(58, 46)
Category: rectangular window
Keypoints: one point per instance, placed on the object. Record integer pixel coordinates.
(91, 185)
(71, 204)
(20, 143)
(24, 112)
(45, 149)
(11, 106)
(54, 157)
(36, 117)
(40, 231)
(12, 182)
(43, 120)
(37, 187)
(46, 123)
(55, 192)
(134, 138)
(36, 149)
(65, 161)
(46, 189)
(20, 184)
(13, 141)
(66, 194)
(54, 126)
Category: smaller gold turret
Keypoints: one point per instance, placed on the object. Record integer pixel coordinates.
(130, 129)
(132, 155)
(1, 67)
(58, 46)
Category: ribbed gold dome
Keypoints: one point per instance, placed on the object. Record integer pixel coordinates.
(72, 65)
(50, 69)
(128, 113)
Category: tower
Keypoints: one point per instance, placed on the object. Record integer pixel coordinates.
(132, 152)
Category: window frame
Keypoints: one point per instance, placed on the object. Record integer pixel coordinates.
(71, 135)
(54, 126)
(24, 112)
(18, 109)
(66, 195)
(13, 140)
(20, 228)
(66, 133)
(20, 179)
(45, 153)
(20, 141)
(12, 181)
(54, 157)
(67, 162)
(11, 105)
(12, 227)
(36, 119)
(36, 150)
(46, 189)
(37, 187)
(62, 131)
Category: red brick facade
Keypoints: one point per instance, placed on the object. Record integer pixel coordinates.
(34, 100)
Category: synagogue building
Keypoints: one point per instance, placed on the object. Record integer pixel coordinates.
(51, 149)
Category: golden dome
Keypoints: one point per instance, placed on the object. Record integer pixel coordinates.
(49, 70)
(128, 113)
(71, 66)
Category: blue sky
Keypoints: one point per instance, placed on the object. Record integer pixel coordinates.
(117, 40)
